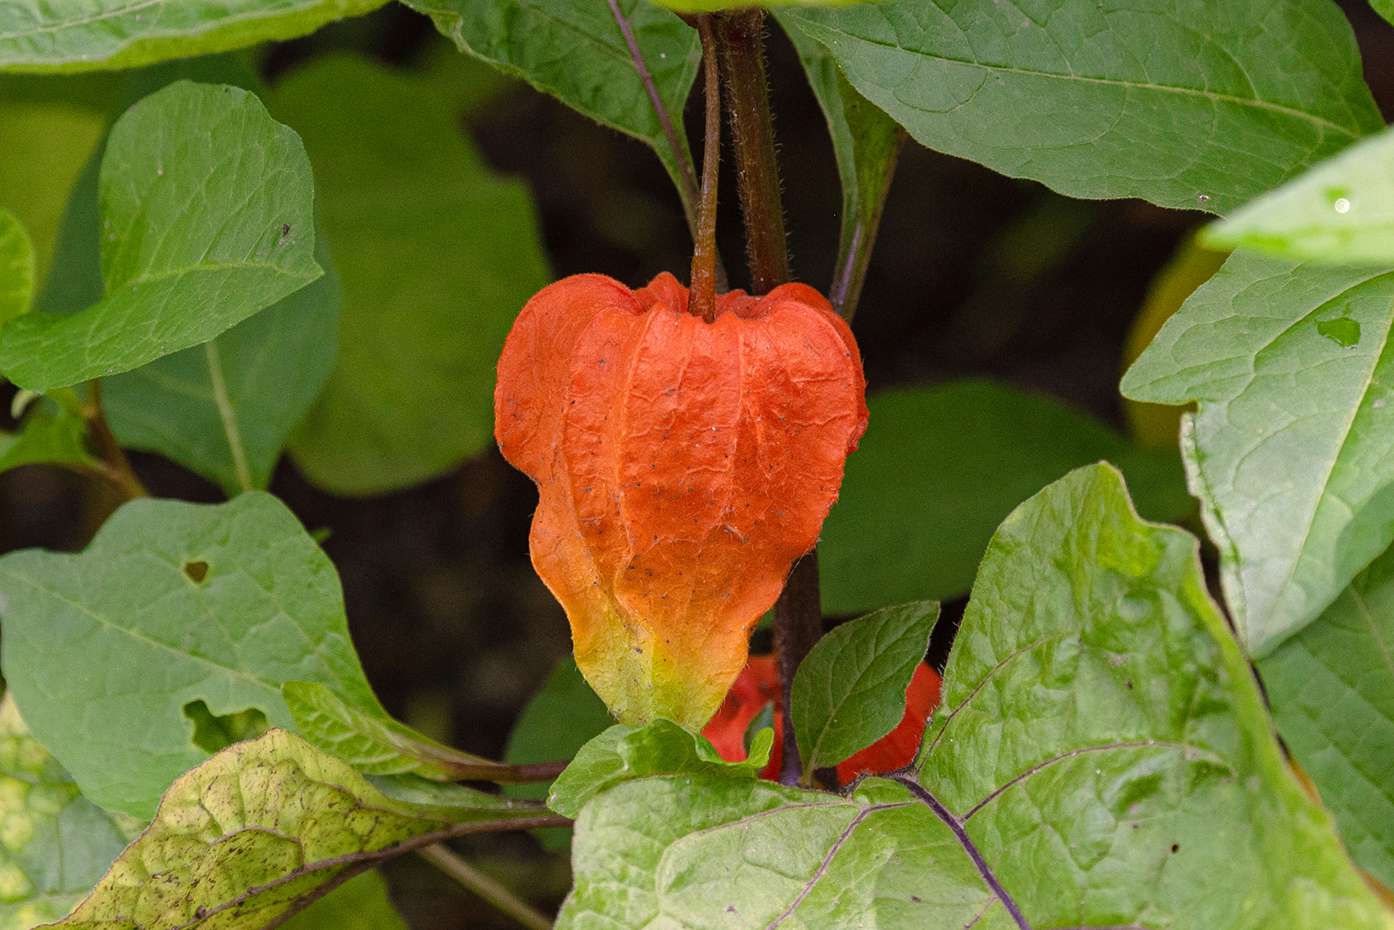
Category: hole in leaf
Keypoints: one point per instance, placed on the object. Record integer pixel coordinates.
(196, 571)
(213, 732)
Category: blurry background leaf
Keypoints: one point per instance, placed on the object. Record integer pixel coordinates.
(1291, 447)
(228, 818)
(16, 267)
(246, 601)
(1153, 425)
(850, 689)
(436, 253)
(866, 143)
(557, 721)
(56, 842)
(1384, 8)
(937, 471)
(102, 34)
(52, 432)
(1185, 104)
(580, 52)
(1341, 211)
(359, 904)
(203, 227)
(1331, 687)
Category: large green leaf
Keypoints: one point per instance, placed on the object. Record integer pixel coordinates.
(119, 655)
(1332, 691)
(102, 34)
(850, 689)
(938, 470)
(223, 409)
(625, 63)
(259, 830)
(206, 208)
(1102, 759)
(1384, 8)
(1292, 443)
(56, 843)
(1341, 211)
(866, 144)
(16, 267)
(1186, 103)
(412, 394)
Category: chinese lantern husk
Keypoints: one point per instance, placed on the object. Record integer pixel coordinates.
(682, 467)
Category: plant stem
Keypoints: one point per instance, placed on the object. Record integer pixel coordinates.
(798, 615)
(741, 37)
(485, 887)
(498, 772)
(116, 467)
(702, 291)
(854, 254)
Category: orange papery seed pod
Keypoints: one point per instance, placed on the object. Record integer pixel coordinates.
(682, 467)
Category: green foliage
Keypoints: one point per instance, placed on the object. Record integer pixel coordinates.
(54, 843)
(172, 604)
(203, 226)
(579, 52)
(940, 467)
(1186, 104)
(1102, 751)
(850, 689)
(228, 847)
(1332, 691)
(866, 144)
(411, 395)
(1289, 445)
(16, 267)
(712, 6)
(358, 904)
(52, 432)
(1341, 211)
(1384, 8)
(367, 738)
(623, 753)
(105, 34)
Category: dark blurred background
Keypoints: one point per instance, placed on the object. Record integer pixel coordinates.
(973, 274)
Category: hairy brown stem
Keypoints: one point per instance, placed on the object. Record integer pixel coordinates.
(798, 615)
(702, 292)
(502, 774)
(741, 37)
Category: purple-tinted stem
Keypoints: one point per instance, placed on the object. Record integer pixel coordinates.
(686, 173)
(956, 825)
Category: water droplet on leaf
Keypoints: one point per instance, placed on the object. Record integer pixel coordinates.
(1343, 331)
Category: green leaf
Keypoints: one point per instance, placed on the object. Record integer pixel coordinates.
(1292, 440)
(368, 739)
(1186, 104)
(206, 212)
(623, 753)
(16, 267)
(109, 652)
(56, 842)
(712, 6)
(106, 34)
(223, 409)
(53, 432)
(594, 56)
(850, 689)
(245, 838)
(866, 144)
(1341, 211)
(1384, 8)
(412, 394)
(1102, 759)
(360, 903)
(939, 469)
(1332, 691)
